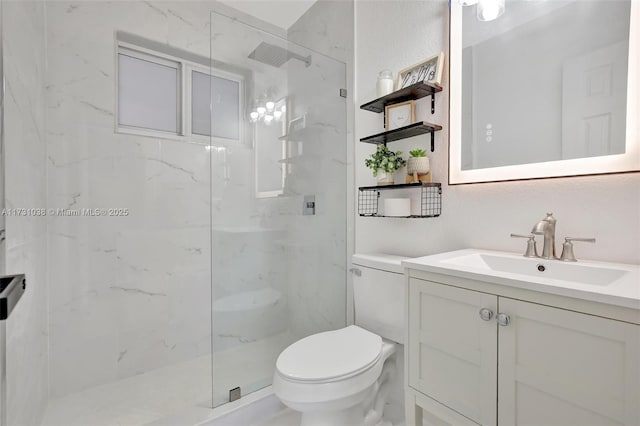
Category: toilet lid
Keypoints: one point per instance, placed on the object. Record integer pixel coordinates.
(330, 355)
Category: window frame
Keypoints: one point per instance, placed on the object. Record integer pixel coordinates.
(190, 68)
(185, 68)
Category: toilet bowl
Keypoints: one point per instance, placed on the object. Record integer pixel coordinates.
(341, 377)
(333, 377)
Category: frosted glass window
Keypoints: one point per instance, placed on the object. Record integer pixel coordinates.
(222, 118)
(147, 94)
(200, 104)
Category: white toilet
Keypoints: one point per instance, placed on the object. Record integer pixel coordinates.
(340, 377)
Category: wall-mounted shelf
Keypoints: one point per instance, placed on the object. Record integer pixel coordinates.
(430, 199)
(415, 129)
(413, 92)
(430, 193)
(400, 186)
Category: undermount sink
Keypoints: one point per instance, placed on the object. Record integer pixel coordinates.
(541, 268)
(617, 284)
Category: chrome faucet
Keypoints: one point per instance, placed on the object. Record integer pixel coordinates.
(547, 227)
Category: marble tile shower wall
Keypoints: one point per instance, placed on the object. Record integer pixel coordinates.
(300, 257)
(306, 254)
(25, 187)
(131, 293)
(317, 249)
(318, 258)
(249, 280)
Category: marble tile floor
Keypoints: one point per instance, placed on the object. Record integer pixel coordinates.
(157, 394)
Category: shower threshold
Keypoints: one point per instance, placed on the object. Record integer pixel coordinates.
(260, 408)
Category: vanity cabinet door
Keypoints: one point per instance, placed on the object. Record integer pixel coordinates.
(452, 350)
(560, 367)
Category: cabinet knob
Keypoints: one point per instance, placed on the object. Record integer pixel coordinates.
(503, 319)
(486, 314)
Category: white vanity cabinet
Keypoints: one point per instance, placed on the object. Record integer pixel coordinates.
(557, 362)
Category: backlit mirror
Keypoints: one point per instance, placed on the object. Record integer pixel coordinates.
(545, 89)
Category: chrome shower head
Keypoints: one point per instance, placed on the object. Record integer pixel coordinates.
(276, 56)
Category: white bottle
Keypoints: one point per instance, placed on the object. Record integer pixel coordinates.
(385, 83)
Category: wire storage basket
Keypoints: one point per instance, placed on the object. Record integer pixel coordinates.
(368, 202)
(430, 199)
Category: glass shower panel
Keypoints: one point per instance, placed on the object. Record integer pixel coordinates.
(129, 320)
(279, 204)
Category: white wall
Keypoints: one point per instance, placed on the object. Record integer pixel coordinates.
(397, 34)
(25, 176)
(394, 35)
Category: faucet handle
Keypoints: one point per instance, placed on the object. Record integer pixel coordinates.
(567, 248)
(532, 250)
(584, 240)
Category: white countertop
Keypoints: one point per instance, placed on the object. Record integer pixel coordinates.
(622, 291)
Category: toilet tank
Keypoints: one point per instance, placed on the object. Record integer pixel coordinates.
(379, 291)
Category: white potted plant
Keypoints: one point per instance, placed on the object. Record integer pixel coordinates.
(418, 166)
(384, 163)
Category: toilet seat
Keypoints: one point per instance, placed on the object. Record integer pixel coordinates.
(330, 356)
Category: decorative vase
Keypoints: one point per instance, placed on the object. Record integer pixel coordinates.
(384, 178)
(419, 165)
(385, 82)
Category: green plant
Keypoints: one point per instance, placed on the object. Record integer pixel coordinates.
(385, 160)
(418, 153)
